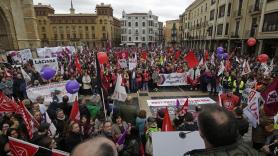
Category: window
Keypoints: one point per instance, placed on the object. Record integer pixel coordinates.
(143, 24)
(55, 36)
(103, 28)
(219, 29)
(143, 38)
(206, 7)
(62, 36)
(212, 14)
(212, 2)
(239, 7)
(44, 36)
(229, 9)
(270, 22)
(129, 24)
(221, 11)
(136, 24)
(210, 31)
(237, 28)
(227, 29)
(68, 36)
(143, 31)
(43, 29)
(136, 31)
(93, 28)
(136, 38)
(100, 21)
(129, 31)
(86, 28)
(129, 39)
(136, 17)
(103, 35)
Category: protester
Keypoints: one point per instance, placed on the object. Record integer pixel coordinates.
(91, 119)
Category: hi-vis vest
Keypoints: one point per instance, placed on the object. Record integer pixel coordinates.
(241, 86)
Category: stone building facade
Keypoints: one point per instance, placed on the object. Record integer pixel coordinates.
(95, 30)
(18, 26)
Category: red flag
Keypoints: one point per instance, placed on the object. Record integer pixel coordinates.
(191, 59)
(184, 107)
(270, 96)
(6, 104)
(75, 113)
(206, 57)
(178, 54)
(77, 64)
(228, 66)
(144, 55)
(22, 148)
(29, 120)
(167, 124)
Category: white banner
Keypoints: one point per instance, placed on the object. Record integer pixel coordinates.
(48, 52)
(155, 105)
(132, 63)
(47, 92)
(122, 63)
(26, 55)
(252, 109)
(21, 56)
(43, 62)
(173, 79)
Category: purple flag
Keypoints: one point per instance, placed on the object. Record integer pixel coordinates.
(178, 104)
(121, 139)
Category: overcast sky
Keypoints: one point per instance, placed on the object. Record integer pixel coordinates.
(165, 9)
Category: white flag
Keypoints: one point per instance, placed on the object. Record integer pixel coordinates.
(25, 75)
(212, 60)
(246, 68)
(52, 128)
(252, 109)
(122, 63)
(222, 68)
(132, 63)
(119, 92)
(201, 63)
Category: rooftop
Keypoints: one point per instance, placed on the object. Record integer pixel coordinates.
(46, 6)
(137, 14)
(80, 14)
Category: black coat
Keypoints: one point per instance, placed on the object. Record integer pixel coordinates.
(72, 140)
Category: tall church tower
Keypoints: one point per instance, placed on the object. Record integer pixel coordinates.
(72, 10)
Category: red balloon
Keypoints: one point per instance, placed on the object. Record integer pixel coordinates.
(102, 57)
(251, 42)
(262, 58)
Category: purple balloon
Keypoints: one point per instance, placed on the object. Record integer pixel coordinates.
(220, 50)
(220, 56)
(72, 86)
(225, 56)
(47, 73)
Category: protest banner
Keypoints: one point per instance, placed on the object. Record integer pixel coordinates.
(173, 79)
(48, 90)
(156, 105)
(21, 56)
(48, 52)
(252, 109)
(122, 63)
(45, 62)
(26, 55)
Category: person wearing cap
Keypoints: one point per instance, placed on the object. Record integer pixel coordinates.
(151, 127)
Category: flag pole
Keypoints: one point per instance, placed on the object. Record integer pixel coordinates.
(100, 84)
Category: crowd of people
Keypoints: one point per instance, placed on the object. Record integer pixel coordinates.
(218, 126)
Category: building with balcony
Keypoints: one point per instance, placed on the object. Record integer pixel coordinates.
(98, 29)
(139, 29)
(172, 33)
(207, 24)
